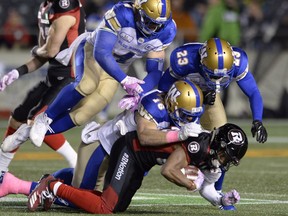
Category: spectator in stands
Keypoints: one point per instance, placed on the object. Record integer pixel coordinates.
(16, 33)
(187, 27)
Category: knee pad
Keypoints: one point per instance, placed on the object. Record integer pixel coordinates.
(87, 86)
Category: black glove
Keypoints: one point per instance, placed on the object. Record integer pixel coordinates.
(259, 130)
(209, 97)
(34, 51)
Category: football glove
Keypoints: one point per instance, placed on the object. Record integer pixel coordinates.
(230, 198)
(8, 78)
(129, 102)
(89, 133)
(259, 130)
(132, 85)
(209, 97)
(191, 129)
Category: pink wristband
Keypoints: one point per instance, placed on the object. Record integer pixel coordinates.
(172, 136)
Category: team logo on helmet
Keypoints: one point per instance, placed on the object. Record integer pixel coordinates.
(193, 147)
(236, 137)
(64, 4)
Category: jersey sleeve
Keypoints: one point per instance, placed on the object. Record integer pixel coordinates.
(197, 149)
(241, 63)
(152, 108)
(62, 7)
(168, 35)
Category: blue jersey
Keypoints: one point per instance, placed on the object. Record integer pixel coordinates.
(131, 43)
(152, 108)
(185, 62)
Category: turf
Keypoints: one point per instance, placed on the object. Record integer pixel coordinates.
(261, 179)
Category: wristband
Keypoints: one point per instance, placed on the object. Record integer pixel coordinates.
(172, 136)
(22, 70)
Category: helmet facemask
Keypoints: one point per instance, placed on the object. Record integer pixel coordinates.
(184, 102)
(146, 25)
(217, 63)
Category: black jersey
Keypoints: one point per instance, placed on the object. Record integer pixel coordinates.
(48, 12)
(196, 148)
(129, 161)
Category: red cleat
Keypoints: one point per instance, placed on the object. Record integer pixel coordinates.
(41, 195)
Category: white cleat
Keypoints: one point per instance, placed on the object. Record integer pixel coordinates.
(14, 140)
(39, 129)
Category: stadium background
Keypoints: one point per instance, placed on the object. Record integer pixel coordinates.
(262, 176)
(264, 37)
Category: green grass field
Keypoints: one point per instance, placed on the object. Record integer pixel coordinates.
(261, 179)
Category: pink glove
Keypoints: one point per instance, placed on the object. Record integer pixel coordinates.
(230, 198)
(129, 102)
(8, 78)
(131, 85)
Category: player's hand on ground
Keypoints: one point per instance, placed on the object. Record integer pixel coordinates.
(129, 102)
(260, 131)
(132, 85)
(89, 133)
(230, 198)
(8, 78)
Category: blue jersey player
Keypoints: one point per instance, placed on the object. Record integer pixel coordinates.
(213, 65)
(181, 107)
(101, 58)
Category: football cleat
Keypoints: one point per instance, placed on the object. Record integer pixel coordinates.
(39, 129)
(41, 195)
(14, 140)
(227, 208)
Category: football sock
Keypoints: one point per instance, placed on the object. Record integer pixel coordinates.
(9, 131)
(5, 160)
(59, 144)
(67, 98)
(68, 153)
(7, 157)
(219, 183)
(87, 200)
(13, 185)
(54, 141)
(61, 124)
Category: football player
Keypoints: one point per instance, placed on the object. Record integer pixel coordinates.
(130, 160)
(101, 59)
(184, 107)
(213, 65)
(60, 22)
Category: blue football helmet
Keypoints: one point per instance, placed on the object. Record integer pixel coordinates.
(151, 15)
(184, 102)
(217, 63)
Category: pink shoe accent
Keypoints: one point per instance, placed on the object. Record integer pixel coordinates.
(10, 184)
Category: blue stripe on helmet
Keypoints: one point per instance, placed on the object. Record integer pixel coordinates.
(196, 93)
(163, 11)
(220, 53)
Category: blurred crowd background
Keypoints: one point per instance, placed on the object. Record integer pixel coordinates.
(258, 26)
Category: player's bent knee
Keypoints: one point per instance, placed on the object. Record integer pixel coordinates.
(87, 87)
(80, 118)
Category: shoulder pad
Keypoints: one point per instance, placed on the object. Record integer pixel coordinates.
(62, 6)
